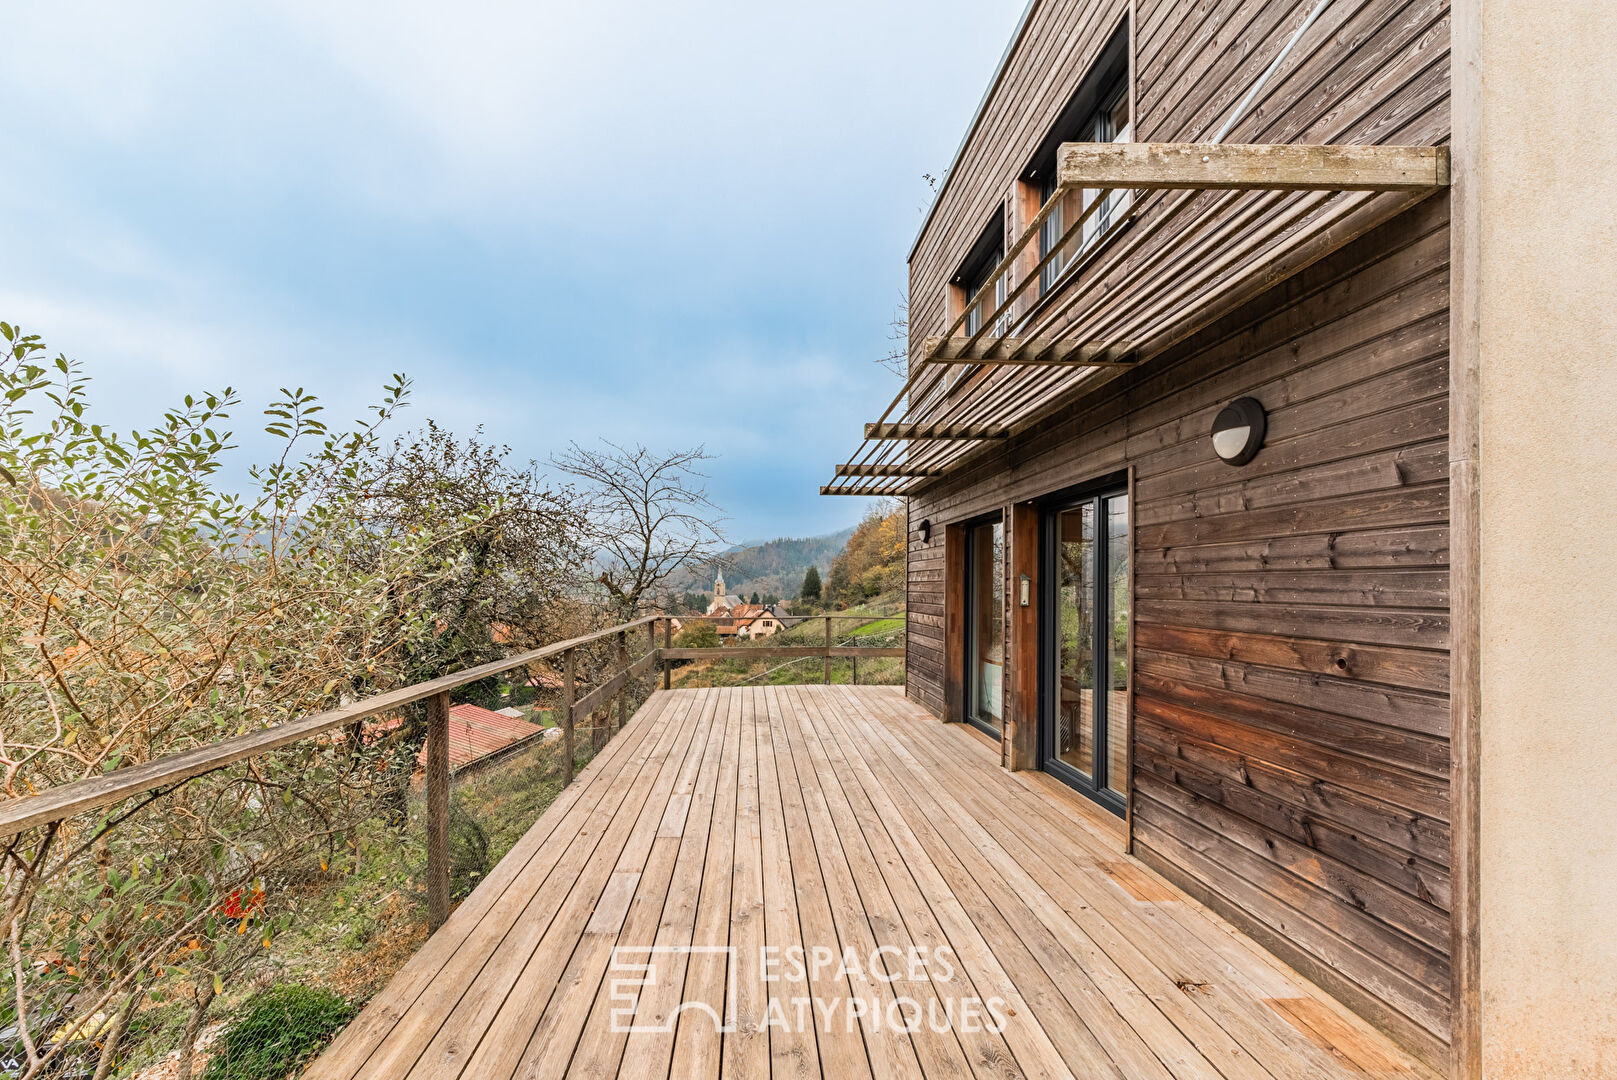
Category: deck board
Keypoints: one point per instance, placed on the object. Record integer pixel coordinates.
(848, 820)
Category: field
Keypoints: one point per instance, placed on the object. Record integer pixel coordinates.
(885, 629)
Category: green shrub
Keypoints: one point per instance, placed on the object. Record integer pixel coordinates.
(698, 635)
(276, 1032)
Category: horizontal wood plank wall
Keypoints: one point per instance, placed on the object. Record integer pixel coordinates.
(1062, 40)
(1367, 71)
(1291, 738)
(1290, 743)
(925, 650)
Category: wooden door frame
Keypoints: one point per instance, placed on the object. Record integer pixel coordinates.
(1020, 741)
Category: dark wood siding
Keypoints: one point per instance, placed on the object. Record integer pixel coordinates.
(1290, 737)
(1290, 742)
(1367, 71)
(1062, 39)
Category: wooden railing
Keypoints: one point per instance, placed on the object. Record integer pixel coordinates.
(830, 650)
(166, 773)
(160, 774)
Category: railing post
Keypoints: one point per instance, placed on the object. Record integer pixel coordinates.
(651, 643)
(623, 666)
(828, 650)
(668, 665)
(856, 671)
(569, 691)
(437, 784)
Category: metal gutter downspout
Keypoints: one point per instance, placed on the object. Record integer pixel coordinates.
(1269, 71)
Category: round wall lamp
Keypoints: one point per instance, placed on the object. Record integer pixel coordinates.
(926, 530)
(1238, 431)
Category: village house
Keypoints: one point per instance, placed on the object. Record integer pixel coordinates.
(477, 735)
(756, 621)
(736, 619)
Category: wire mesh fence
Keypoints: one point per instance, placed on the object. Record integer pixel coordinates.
(757, 660)
(229, 925)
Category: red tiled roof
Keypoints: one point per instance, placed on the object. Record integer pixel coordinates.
(476, 732)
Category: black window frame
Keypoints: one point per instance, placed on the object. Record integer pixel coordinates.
(1096, 491)
(976, 269)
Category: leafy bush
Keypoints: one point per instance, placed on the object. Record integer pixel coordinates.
(698, 635)
(151, 608)
(276, 1032)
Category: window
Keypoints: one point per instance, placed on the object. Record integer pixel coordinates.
(986, 253)
(990, 303)
(1086, 660)
(985, 626)
(1098, 112)
(1111, 125)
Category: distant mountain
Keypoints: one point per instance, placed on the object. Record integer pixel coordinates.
(774, 566)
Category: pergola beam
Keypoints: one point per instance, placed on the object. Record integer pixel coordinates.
(887, 470)
(1253, 167)
(1025, 352)
(937, 432)
(863, 489)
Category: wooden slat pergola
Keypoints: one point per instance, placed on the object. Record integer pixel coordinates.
(1208, 226)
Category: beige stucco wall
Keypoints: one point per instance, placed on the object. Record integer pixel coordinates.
(1545, 176)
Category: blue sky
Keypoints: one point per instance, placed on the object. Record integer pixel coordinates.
(663, 223)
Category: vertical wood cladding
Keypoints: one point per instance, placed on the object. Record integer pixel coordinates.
(1290, 737)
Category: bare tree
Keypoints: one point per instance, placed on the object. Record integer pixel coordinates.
(649, 515)
(897, 358)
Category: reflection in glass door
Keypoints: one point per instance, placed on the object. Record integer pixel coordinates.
(1087, 564)
(985, 626)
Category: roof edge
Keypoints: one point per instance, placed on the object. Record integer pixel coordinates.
(976, 120)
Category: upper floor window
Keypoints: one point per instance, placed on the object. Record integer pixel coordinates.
(1097, 112)
(973, 275)
(991, 301)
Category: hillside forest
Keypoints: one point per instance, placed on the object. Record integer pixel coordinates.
(810, 576)
(870, 565)
(773, 570)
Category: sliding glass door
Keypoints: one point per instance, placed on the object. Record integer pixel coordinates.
(985, 626)
(1085, 661)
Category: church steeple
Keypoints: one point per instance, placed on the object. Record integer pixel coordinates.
(721, 598)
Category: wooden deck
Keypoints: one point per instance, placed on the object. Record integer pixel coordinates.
(1007, 929)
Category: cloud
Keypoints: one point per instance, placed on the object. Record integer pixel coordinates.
(669, 223)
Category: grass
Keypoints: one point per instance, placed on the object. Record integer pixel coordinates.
(882, 629)
(881, 626)
(276, 1031)
(360, 927)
